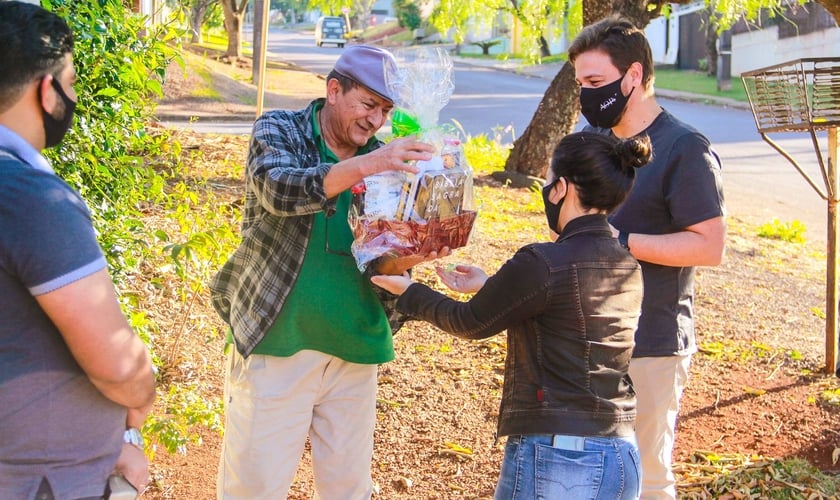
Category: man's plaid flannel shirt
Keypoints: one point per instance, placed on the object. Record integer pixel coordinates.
(284, 189)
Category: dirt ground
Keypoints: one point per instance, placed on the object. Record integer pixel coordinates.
(755, 389)
(232, 95)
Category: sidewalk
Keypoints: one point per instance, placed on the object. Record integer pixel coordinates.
(234, 111)
(548, 72)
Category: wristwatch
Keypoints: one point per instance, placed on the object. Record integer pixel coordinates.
(623, 240)
(132, 436)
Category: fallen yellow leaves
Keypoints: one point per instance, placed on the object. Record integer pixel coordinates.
(736, 476)
(754, 392)
(455, 450)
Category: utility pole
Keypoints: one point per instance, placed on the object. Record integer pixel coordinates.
(261, 9)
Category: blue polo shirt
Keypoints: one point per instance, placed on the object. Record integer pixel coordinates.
(55, 423)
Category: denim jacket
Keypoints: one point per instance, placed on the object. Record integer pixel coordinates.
(571, 308)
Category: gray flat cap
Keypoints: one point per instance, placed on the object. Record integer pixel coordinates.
(366, 65)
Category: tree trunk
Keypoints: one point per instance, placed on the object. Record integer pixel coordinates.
(833, 8)
(555, 117)
(710, 30)
(639, 12)
(196, 20)
(233, 26)
(545, 50)
(558, 111)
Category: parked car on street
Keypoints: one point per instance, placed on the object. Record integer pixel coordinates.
(330, 29)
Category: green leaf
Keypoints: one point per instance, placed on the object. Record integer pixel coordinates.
(108, 92)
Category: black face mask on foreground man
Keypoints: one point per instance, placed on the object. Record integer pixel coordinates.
(56, 128)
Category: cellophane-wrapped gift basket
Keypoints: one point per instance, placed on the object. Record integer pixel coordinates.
(397, 214)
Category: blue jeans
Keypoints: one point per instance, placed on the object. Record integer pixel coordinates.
(579, 468)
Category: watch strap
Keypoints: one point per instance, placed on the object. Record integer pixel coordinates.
(623, 240)
(132, 436)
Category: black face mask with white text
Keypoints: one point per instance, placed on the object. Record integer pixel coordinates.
(603, 106)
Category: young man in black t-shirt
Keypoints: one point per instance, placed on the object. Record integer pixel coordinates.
(672, 221)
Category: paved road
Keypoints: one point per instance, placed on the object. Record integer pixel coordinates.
(759, 183)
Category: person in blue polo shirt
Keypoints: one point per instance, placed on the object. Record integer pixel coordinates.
(75, 381)
(309, 329)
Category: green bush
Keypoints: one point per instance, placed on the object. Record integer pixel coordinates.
(125, 172)
(484, 154)
(791, 232)
(408, 14)
(120, 63)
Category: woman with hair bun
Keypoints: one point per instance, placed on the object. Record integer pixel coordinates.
(570, 308)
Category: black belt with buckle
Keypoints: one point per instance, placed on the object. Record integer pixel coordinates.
(45, 493)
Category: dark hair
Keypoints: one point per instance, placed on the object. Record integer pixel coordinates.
(621, 40)
(347, 84)
(34, 43)
(602, 167)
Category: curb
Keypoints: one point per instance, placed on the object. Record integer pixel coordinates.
(678, 95)
(548, 71)
(172, 116)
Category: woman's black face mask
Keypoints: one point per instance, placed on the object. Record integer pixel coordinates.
(552, 210)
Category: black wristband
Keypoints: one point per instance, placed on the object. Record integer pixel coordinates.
(623, 240)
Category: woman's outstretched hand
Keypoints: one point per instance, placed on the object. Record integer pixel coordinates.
(399, 265)
(462, 278)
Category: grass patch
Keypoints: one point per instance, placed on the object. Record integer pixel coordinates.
(697, 83)
(732, 351)
(401, 37)
(832, 396)
(207, 90)
(791, 232)
(561, 58)
(489, 57)
(218, 40)
(379, 29)
(299, 27)
(485, 155)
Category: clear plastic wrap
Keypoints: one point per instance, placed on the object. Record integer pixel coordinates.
(397, 214)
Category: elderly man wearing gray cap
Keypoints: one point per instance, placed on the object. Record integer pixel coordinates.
(308, 327)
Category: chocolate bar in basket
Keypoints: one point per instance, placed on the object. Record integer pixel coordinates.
(434, 211)
(435, 194)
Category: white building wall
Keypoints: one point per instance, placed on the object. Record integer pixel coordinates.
(762, 48)
(383, 6)
(663, 35)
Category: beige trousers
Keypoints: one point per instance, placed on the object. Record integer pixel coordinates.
(659, 384)
(273, 403)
